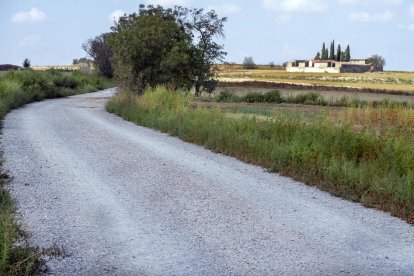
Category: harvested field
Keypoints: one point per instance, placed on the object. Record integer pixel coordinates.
(384, 82)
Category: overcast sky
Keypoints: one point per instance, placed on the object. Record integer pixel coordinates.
(51, 32)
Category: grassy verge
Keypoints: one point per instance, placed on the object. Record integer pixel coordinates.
(369, 166)
(16, 89)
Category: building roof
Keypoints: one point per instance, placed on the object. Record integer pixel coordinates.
(323, 61)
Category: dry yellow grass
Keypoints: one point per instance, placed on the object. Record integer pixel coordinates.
(393, 81)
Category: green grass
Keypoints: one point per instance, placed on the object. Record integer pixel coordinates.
(376, 170)
(16, 89)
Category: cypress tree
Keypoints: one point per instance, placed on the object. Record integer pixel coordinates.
(332, 51)
(318, 56)
(324, 53)
(348, 53)
(338, 53)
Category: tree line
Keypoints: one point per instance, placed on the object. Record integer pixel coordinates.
(157, 46)
(330, 54)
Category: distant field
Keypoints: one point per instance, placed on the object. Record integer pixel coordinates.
(75, 67)
(393, 81)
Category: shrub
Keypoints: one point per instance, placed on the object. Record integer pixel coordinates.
(226, 96)
(253, 97)
(273, 97)
(248, 63)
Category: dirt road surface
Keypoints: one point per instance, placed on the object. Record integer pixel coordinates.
(126, 200)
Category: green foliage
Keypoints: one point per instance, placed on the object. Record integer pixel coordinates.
(311, 98)
(226, 96)
(254, 97)
(99, 49)
(332, 55)
(347, 54)
(150, 48)
(205, 51)
(377, 62)
(338, 53)
(325, 52)
(273, 97)
(26, 63)
(158, 46)
(377, 170)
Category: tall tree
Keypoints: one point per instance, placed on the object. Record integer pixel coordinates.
(347, 54)
(332, 51)
(26, 63)
(338, 53)
(343, 56)
(98, 48)
(206, 26)
(151, 48)
(318, 56)
(324, 52)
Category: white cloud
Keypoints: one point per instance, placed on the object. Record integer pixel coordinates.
(115, 15)
(376, 2)
(289, 6)
(168, 2)
(368, 17)
(31, 40)
(412, 10)
(225, 9)
(34, 15)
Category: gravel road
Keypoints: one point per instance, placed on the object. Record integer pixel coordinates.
(126, 200)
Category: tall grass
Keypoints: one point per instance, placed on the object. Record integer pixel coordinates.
(16, 89)
(376, 170)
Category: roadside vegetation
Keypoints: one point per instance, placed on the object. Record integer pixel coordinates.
(16, 89)
(365, 156)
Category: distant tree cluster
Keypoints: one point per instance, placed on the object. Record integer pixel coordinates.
(330, 54)
(82, 61)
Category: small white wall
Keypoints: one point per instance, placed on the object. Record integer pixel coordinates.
(333, 70)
